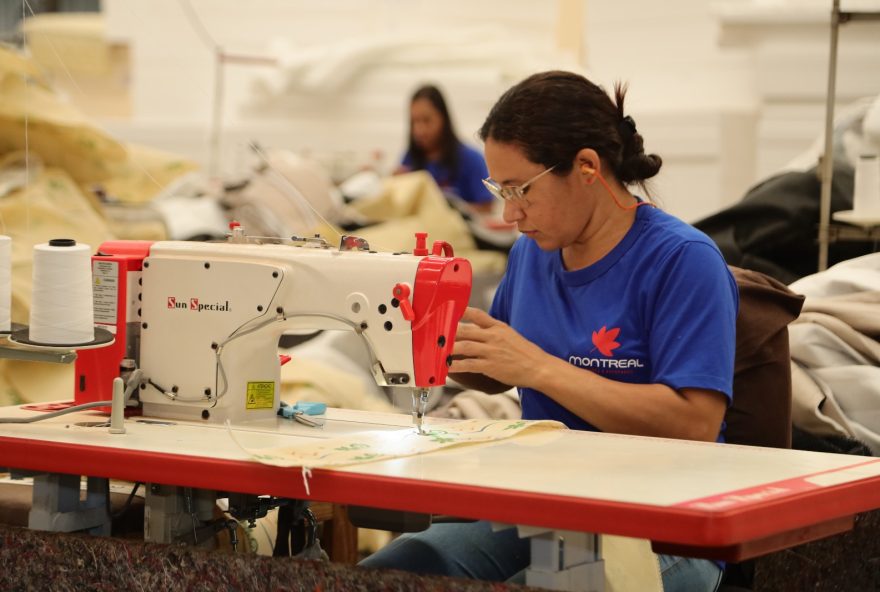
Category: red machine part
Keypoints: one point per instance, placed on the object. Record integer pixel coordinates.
(401, 292)
(421, 248)
(111, 268)
(441, 294)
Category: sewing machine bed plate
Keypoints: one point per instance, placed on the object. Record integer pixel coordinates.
(685, 494)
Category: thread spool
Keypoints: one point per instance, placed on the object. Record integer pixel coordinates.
(866, 195)
(62, 312)
(5, 283)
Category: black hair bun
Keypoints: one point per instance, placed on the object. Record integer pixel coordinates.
(637, 166)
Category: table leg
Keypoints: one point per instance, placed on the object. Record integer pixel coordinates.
(57, 506)
(565, 560)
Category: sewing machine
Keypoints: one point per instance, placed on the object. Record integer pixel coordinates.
(200, 322)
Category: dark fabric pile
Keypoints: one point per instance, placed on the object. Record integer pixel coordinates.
(774, 229)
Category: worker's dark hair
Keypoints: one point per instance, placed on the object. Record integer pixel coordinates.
(551, 116)
(448, 140)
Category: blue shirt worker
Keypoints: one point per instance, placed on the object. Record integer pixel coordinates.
(612, 315)
(434, 147)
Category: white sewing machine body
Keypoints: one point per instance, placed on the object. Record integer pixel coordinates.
(210, 316)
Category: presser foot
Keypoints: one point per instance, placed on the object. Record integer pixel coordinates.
(419, 407)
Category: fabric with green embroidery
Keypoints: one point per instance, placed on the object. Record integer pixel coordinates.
(384, 444)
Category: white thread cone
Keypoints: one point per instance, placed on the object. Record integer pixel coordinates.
(62, 312)
(866, 195)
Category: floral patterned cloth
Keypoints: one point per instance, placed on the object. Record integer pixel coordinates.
(382, 444)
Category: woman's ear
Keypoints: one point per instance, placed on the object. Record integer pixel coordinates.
(589, 164)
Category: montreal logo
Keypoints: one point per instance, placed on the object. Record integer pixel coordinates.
(605, 341)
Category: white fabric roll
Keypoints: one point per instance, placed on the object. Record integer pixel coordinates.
(866, 196)
(62, 312)
(5, 283)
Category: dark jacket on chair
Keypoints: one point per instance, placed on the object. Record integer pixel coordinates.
(760, 414)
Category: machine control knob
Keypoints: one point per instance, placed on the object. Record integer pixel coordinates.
(401, 292)
(421, 249)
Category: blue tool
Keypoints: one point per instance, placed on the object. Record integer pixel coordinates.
(309, 413)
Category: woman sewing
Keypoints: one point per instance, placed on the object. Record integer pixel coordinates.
(433, 146)
(612, 315)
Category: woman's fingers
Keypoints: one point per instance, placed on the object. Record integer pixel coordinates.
(470, 332)
(470, 349)
(474, 365)
(479, 318)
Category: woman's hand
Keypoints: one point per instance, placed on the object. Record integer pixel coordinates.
(488, 346)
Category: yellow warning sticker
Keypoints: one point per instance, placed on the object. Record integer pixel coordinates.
(260, 395)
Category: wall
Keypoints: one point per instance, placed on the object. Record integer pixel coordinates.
(700, 88)
(173, 78)
(692, 99)
(788, 42)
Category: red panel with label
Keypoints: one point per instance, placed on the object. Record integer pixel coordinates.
(116, 274)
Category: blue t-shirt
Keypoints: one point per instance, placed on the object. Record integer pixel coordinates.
(659, 308)
(468, 182)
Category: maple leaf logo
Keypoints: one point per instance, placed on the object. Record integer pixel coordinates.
(604, 340)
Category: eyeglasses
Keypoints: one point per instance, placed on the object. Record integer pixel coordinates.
(513, 193)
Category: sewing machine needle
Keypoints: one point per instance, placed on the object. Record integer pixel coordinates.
(420, 405)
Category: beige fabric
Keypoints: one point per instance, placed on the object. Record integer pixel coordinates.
(413, 203)
(858, 309)
(15, 65)
(91, 68)
(861, 274)
(61, 136)
(144, 173)
(308, 380)
(836, 361)
(35, 382)
(375, 445)
(849, 291)
(407, 204)
(630, 565)
(813, 406)
(285, 181)
(55, 130)
(856, 346)
(75, 41)
(472, 404)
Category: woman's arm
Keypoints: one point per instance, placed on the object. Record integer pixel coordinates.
(494, 349)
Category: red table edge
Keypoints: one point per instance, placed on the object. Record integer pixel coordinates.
(672, 525)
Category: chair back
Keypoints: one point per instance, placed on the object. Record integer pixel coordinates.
(760, 414)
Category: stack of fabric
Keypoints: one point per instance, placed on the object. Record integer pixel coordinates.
(836, 354)
(53, 160)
